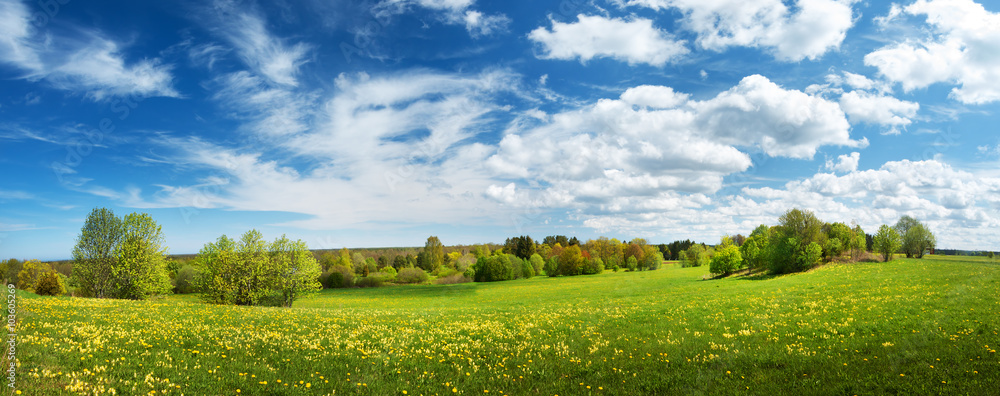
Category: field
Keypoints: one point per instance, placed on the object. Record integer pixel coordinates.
(925, 326)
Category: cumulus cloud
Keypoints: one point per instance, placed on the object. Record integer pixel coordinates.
(845, 163)
(963, 49)
(83, 62)
(634, 41)
(813, 29)
(654, 145)
(878, 109)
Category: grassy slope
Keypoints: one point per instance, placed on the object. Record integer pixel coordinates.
(910, 326)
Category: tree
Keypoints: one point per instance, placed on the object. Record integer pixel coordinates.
(916, 238)
(294, 269)
(887, 242)
(140, 270)
(50, 283)
(345, 259)
(435, 253)
(754, 248)
(727, 258)
(11, 268)
(552, 267)
(537, 262)
(694, 256)
(838, 239)
(522, 246)
(120, 258)
(254, 272)
(857, 243)
(790, 249)
(570, 260)
(652, 258)
(31, 272)
(94, 253)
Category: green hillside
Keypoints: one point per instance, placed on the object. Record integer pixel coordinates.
(925, 326)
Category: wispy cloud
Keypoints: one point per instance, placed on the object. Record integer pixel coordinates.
(268, 55)
(85, 62)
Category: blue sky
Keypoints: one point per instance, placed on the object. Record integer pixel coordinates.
(380, 123)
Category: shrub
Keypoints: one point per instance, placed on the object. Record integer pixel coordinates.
(494, 268)
(615, 268)
(726, 260)
(31, 272)
(369, 281)
(470, 272)
(452, 279)
(339, 276)
(411, 275)
(695, 256)
(50, 284)
(592, 267)
(631, 263)
(186, 280)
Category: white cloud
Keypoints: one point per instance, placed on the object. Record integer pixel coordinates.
(84, 62)
(267, 55)
(393, 148)
(634, 41)
(963, 49)
(845, 163)
(816, 26)
(876, 109)
(453, 12)
(655, 145)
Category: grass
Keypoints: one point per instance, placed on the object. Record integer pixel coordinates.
(910, 326)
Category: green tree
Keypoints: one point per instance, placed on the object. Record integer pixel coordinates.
(887, 242)
(140, 270)
(344, 259)
(50, 283)
(727, 258)
(631, 263)
(31, 271)
(916, 237)
(694, 256)
(254, 272)
(570, 260)
(858, 242)
(435, 251)
(294, 269)
(94, 255)
(537, 262)
(552, 266)
(10, 269)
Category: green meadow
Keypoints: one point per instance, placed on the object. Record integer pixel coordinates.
(927, 326)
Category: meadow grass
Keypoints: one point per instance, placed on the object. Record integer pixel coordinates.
(925, 326)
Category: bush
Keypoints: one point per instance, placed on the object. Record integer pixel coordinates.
(452, 279)
(369, 281)
(50, 284)
(470, 272)
(339, 276)
(631, 263)
(593, 266)
(494, 268)
(695, 256)
(615, 268)
(186, 280)
(411, 275)
(726, 260)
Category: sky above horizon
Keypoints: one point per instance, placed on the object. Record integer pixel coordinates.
(383, 122)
